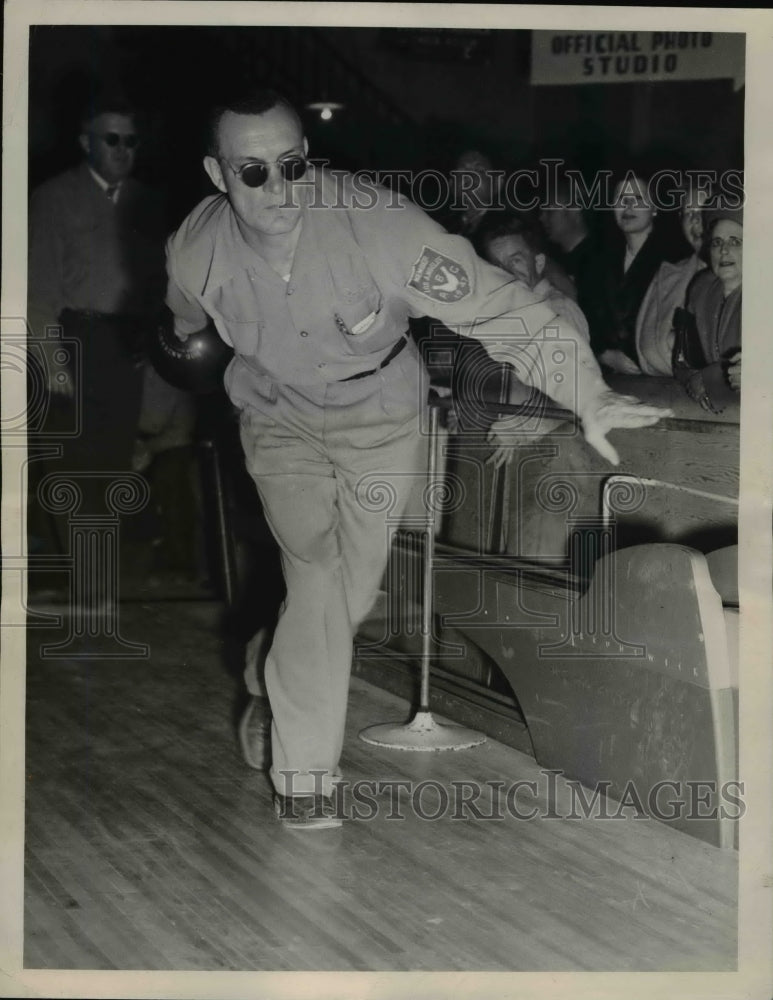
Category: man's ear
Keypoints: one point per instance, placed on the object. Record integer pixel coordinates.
(214, 172)
(84, 141)
(305, 146)
(539, 263)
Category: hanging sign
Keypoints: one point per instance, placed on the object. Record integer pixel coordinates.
(567, 57)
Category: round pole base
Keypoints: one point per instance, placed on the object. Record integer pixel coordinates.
(422, 734)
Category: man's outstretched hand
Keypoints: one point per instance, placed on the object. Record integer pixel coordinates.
(609, 410)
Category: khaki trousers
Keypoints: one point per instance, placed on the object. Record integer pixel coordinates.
(334, 468)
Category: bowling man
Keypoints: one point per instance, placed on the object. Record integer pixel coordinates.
(312, 277)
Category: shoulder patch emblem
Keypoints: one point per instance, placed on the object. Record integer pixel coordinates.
(439, 277)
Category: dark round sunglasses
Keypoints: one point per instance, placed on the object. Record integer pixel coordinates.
(255, 174)
(130, 141)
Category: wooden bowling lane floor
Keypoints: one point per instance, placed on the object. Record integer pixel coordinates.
(150, 845)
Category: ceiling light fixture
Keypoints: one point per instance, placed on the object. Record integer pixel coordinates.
(326, 109)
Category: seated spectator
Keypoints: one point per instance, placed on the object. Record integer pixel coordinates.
(707, 349)
(517, 247)
(478, 202)
(655, 321)
(630, 265)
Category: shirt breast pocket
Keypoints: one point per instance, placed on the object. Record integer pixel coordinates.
(361, 322)
(236, 308)
(244, 334)
(244, 325)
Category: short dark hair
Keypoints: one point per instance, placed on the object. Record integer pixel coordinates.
(256, 102)
(106, 103)
(494, 227)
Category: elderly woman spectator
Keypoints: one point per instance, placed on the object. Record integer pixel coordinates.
(707, 349)
(667, 291)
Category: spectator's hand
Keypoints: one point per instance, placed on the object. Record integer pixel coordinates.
(610, 410)
(619, 362)
(734, 372)
(502, 442)
(696, 390)
(452, 421)
(508, 433)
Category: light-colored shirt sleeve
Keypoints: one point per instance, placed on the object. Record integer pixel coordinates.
(188, 314)
(440, 275)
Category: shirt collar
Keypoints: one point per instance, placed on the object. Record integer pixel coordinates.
(231, 254)
(101, 180)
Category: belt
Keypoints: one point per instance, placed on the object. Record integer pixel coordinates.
(390, 357)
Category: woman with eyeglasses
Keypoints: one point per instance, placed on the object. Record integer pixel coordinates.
(707, 350)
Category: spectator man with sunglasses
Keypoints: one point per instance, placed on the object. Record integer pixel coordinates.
(96, 272)
(312, 276)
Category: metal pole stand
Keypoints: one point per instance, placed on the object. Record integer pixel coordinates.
(423, 732)
(211, 451)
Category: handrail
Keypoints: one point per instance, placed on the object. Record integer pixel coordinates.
(612, 481)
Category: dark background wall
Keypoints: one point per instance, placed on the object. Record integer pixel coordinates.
(413, 99)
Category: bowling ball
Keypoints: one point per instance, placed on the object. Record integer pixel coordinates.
(196, 364)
